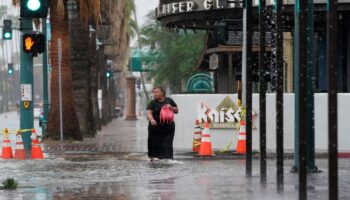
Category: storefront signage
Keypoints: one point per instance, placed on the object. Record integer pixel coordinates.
(194, 5)
(226, 115)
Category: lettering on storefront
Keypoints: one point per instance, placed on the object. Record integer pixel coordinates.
(190, 6)
(226, 115)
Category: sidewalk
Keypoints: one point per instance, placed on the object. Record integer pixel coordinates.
(120, 136)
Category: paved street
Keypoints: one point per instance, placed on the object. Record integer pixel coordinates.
(114, 166)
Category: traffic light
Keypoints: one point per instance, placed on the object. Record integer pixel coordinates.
(34, 8)
(10, 69)
(108, 73)
(7, 29)
(34, 43)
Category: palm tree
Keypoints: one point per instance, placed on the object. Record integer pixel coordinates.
(60, 30)
(81, 67)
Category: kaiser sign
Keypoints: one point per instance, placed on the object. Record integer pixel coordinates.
(226, 115)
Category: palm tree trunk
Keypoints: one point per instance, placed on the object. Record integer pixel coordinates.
(94, 79)
(59, 29)
(79, 51)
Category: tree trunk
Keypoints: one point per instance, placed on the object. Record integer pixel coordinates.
(59, 29)
(79, 48)
(94, 79)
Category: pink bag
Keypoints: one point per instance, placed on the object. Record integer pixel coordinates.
(166, 115)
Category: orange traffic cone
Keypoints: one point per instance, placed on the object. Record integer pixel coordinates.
(205, 149)
(241, 144)
(36, 149)
(6, 146)
(20, 153)
(197, 137)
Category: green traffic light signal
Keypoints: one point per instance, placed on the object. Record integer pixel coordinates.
(7, 29)
(33, 5)
(10, 69)
(34, 8)
(7, 35)
(108, 74)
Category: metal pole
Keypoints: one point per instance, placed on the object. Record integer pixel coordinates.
(279, 95)
(262, 89)
(244, 61)
(310, 88)
(45, 81)
(332, 24)
(6, 97)
(26, 76)
(60, 85)
(247, 79)
(295, 168)
(302, 64)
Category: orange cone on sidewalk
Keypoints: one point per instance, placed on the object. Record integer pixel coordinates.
(6, 146)
(241, 144)
(20, 153)
(197, 137)
(205, 149)
(36, 148)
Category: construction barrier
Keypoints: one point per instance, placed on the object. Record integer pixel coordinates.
(20, 154)
(197, 137)
(206, 147)
(6, 147)
(241, 144)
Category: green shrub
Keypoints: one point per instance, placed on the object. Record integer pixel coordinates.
(10, 184)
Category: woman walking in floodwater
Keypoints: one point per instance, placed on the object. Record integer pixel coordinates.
(160, 133)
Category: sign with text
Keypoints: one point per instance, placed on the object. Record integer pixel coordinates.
(26, 92)
(176, 7)
(226, 115)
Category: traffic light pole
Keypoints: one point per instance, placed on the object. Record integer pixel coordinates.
(45, 82)
(26, 77)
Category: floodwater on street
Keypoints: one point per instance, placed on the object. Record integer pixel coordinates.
(114, 166)
(112, 178)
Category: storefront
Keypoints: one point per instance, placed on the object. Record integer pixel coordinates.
(218, 16)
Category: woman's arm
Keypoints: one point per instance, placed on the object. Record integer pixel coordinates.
(175, 109)
(173, 106)
(151, 118)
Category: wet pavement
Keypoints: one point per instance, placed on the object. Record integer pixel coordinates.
(114, 166)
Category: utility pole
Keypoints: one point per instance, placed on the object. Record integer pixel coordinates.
(332, 39)
(45, 80)
(247, 79)
(301, 14)
(279, 96)
(310, 88)
(295, 168)
(262, 89)
(26, 76)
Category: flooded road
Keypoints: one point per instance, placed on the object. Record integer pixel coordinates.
(114, 166)
(112, 178)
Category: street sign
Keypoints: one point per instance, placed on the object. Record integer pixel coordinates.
(26, 92)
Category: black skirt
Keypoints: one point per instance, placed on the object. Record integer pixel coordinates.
(160, 141)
